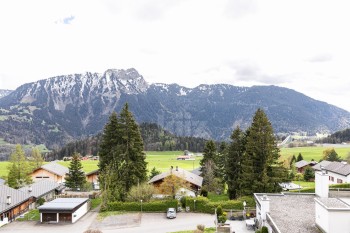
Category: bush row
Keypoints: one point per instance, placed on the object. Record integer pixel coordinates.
(152, 206)
(344, 185)
(203, 205)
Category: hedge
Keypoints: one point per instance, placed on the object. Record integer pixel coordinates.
(344, 185)
(203, 204)
(152, 206)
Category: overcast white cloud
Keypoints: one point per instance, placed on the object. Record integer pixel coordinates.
(303, 45)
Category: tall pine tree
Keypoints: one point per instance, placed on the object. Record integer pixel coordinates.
(76, 176)
(261, 170)
(19, 169)
(208, 164)
(122, 151)
(234, 158)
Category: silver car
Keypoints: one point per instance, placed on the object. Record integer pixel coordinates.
(171, 213)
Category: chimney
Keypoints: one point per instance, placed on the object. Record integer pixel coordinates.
(177, 168)
(321, 183)
(265, 206)
(8, 201)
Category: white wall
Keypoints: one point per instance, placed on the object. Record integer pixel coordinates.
(345, 179)
(4, 221)
(80, 212)
(322, 218)
(339, 221)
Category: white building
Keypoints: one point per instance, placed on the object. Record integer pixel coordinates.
(64, 210)
(338, 172)
(307, 213)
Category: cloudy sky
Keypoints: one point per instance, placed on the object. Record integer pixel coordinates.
(302, 45)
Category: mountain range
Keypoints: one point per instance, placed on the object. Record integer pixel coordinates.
(57, 110)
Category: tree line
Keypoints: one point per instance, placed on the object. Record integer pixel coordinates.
(247, 164)
(155, 138)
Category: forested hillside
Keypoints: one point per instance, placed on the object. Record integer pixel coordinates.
(155, 139)
(338, 137)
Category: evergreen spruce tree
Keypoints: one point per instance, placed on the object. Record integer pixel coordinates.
(19, 169)
(76, 176)
(210, 156)
(233, 167)
(300, 157)
(36, 159)
(261, 170)
(122, 150)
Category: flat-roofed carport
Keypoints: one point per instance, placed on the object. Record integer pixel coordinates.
(64, 210)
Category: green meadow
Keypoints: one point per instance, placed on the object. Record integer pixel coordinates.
(161, 160)
(314, 152)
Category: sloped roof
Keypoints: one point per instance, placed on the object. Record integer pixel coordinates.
(339, 168)
(17, 197)
(97, 171)
(40, 188)
(323, 163)
(197, 171)
(301, 163)
(55, 168)
(63, 204)
(181, 173)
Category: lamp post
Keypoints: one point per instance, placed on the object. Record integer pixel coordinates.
(244, 205)
(194, 205)
(141, 206)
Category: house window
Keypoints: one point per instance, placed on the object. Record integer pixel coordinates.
(339, 181)
(331, 178)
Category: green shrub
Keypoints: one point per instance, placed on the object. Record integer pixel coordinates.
(222, 219)
(40, 201)
(183, 202)
(264, 229)
(201, 227)
(219, 210)
(258, 231)
(204, 192)
(203, 205)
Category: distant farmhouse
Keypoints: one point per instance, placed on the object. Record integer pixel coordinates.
(338, 172)
(194, 180)
(302, 165)
(50, 171)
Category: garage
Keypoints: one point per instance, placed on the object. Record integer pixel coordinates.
(64, 210)
(49, 217)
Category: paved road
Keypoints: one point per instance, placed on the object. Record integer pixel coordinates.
(158, 223)
(150, 222)
(36, 227)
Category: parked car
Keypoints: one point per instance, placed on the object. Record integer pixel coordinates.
(171, 213)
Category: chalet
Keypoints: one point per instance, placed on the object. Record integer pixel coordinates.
(338, 172)
(13, 203)
(194, 180)
(302, 165)
(45, 189)
(92, 177)
(50, 171)
(64, 210)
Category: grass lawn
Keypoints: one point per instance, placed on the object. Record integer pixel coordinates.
(95, 202)
(3, 168)
(314, 152)
(216, 197)
(305, 184)
(32, 215)
(106, 214)
(206, 230)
